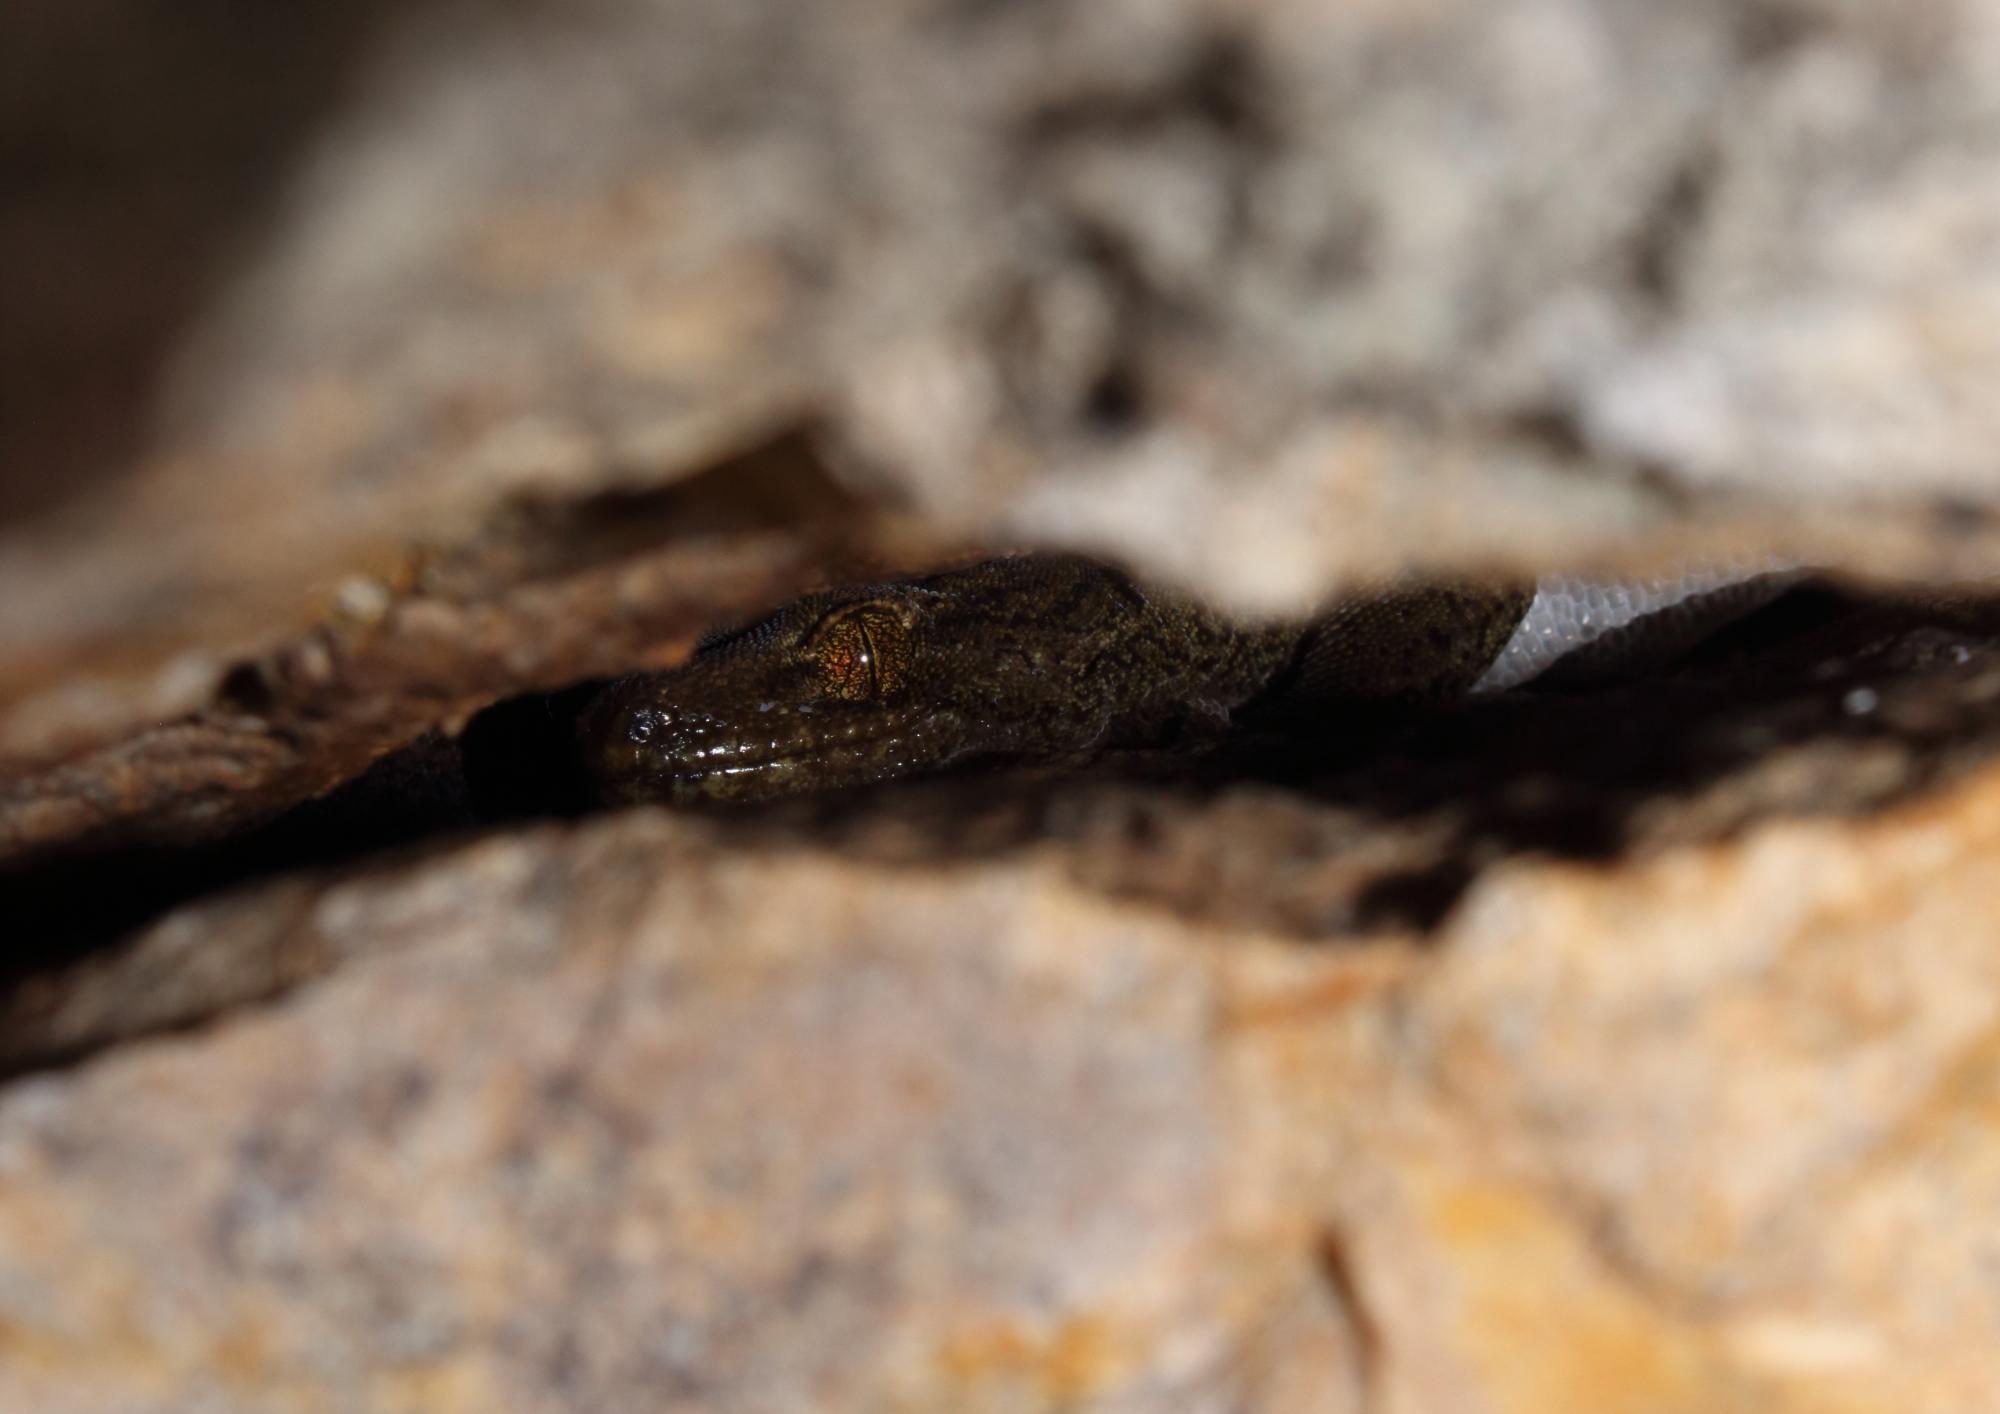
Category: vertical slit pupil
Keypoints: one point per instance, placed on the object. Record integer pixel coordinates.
(868, 655)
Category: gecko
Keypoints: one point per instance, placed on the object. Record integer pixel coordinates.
(1024, 658)
(1047, 657)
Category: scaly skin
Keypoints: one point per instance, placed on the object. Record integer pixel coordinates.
(1028, 658)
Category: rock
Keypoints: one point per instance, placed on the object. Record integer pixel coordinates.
(1151, 1087)
(647, 1144)
(635, 1115)
(291, 723)
(1619, 1046)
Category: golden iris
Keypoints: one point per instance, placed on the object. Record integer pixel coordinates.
(860, 651)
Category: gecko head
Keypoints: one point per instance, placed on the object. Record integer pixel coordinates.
(850, 687)
(819, 694)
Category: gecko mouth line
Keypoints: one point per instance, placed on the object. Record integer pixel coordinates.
(646, 751)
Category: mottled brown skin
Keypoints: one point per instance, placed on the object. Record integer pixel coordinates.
(1027, 658)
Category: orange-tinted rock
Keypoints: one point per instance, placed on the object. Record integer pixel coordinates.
(623, 1112)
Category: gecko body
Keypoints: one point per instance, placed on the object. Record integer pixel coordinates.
(1025, 658)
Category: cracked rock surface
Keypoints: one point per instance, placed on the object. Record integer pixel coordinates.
(563, 1115)
(1625, 1044)
(1500, 1065)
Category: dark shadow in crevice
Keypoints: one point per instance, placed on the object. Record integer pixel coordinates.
(512, 763)
(1594, 773)
(62, 909)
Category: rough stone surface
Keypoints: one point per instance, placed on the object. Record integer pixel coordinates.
(650, 1145)
(1624, 1046)
(604, 1116)
(1504, 1065)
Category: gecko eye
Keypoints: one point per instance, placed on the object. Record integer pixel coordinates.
(861, 651)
